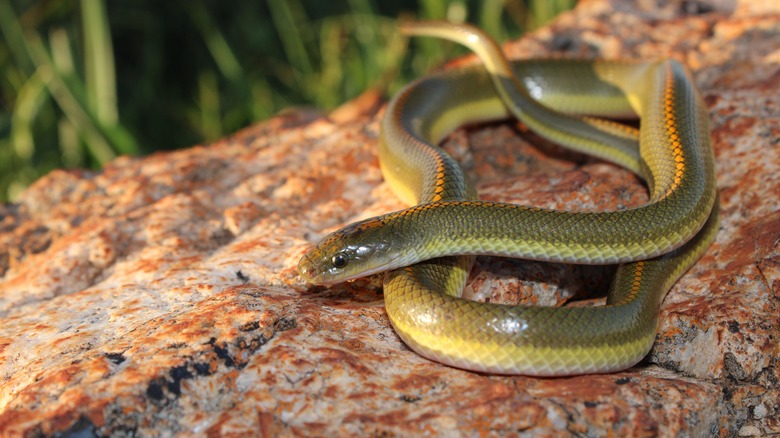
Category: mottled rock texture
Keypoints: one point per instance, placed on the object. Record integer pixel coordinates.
(160, 294)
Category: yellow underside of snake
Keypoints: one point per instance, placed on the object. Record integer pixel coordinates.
(428, 249)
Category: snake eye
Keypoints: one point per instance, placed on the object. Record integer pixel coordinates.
(339, 260)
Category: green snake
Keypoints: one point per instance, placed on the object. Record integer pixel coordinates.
(428, 249)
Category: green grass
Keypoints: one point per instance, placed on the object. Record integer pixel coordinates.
(84, 81)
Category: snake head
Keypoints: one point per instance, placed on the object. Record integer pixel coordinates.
(357, 250)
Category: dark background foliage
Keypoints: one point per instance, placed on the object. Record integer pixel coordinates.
(86, 80)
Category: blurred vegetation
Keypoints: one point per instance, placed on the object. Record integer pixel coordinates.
(86, 80)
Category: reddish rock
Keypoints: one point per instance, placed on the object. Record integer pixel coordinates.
(160, 294)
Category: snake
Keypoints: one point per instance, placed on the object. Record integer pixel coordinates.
(427, 250)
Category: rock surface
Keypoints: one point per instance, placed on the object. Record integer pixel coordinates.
(160, 295)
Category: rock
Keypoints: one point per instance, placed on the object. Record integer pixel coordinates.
(160, 295)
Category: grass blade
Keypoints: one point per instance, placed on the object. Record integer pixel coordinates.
(100, 77)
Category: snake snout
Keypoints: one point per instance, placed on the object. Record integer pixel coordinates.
(306, 269)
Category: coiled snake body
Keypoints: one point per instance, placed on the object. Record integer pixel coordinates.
(429, 248)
